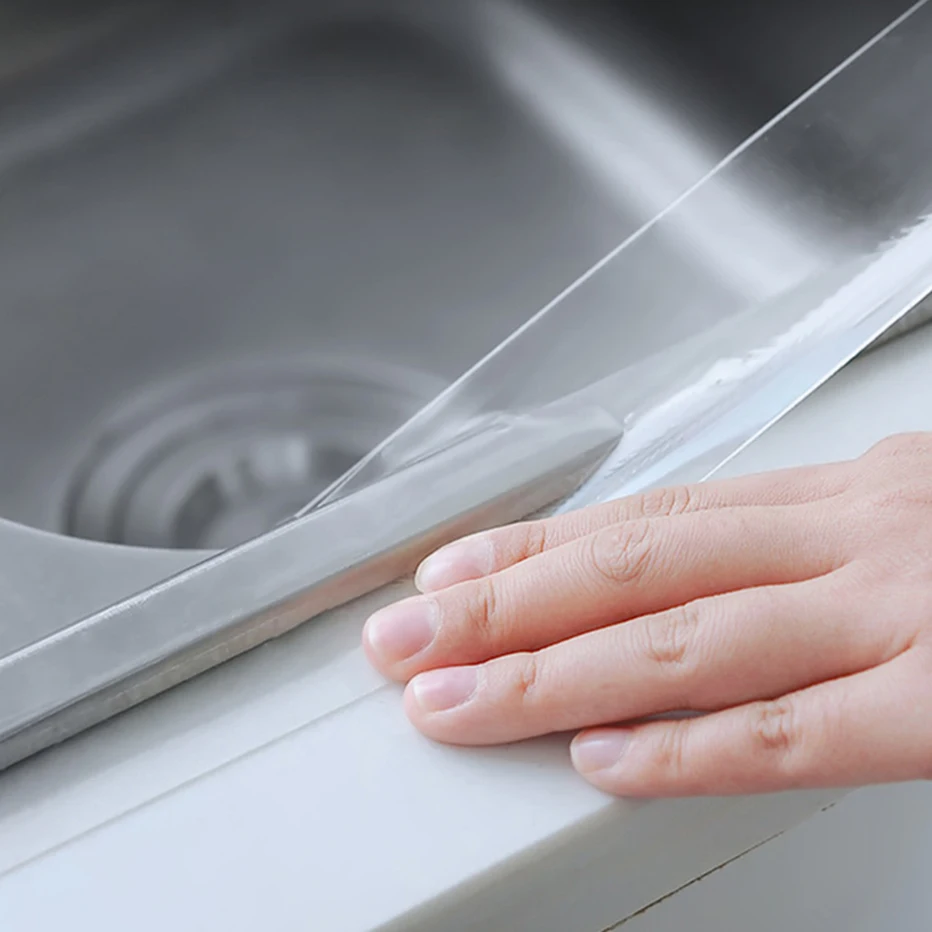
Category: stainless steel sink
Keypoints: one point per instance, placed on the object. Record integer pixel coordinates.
(240, 243)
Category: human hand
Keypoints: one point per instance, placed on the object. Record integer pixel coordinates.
(794, 609)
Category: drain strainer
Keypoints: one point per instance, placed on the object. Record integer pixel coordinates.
(211, 462)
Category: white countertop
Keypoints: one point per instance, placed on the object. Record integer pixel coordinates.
(286, 790)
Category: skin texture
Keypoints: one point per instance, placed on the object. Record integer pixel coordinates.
(791, 612)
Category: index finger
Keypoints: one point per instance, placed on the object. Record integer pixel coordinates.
(483, 554)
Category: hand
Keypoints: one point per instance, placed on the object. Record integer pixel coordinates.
(793, 609)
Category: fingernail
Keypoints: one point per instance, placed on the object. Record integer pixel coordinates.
(400, 631)
(600, 750)
(440, 690)
(459, 562)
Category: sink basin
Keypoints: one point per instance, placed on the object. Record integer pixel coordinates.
(241, 243)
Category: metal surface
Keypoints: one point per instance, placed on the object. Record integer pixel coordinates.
(218, 459)
(199, 188)
(112, 660)
(192, 187)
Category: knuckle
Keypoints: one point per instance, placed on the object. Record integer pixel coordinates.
(534, 540)
(669, 638)
(483, 614)
(895, 482)
(528, 677)
(622, 554)
(901, 445)
(888, 501)
(669, 759)
(523, 680)
(774, 729)
(666, 502)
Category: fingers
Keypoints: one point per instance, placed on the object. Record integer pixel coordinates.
(483, 554)
(620, 572)
(873, 727)
(710, 654)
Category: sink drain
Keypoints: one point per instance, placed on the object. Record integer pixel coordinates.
(210, 463)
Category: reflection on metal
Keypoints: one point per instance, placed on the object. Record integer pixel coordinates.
(212, 612)
(644, 152)
(208, 463)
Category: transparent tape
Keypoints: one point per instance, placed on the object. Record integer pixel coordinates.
(733, 304)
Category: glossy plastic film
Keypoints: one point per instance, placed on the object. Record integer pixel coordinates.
(737, 301)
(218, 609)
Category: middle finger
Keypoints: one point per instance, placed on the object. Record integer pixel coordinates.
(710, 655)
